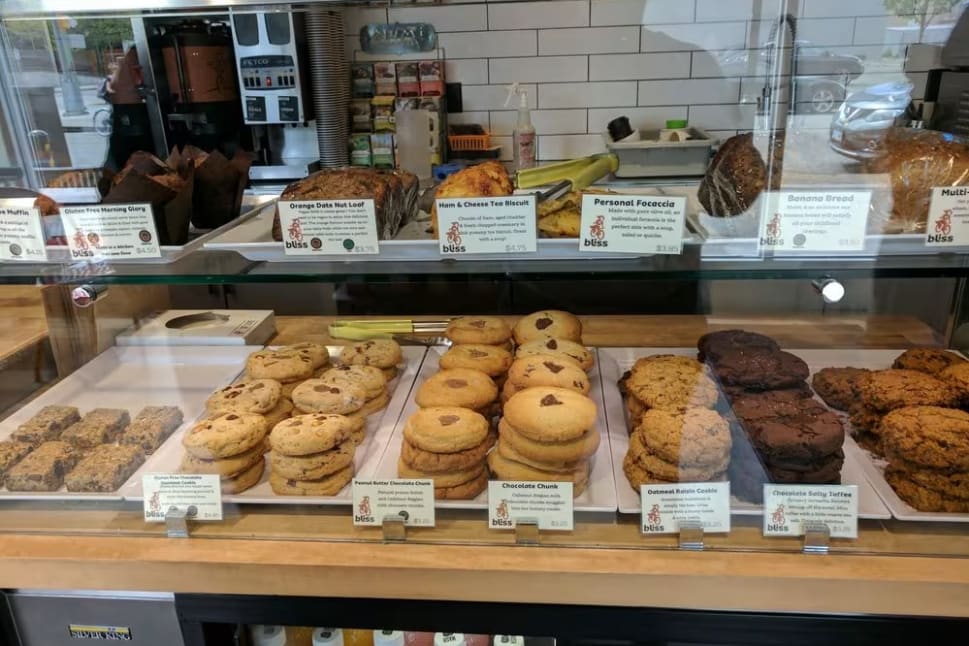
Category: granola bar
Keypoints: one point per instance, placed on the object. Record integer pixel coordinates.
(46, 425)
(12, 452)
(43, 469)
(99, 426)
(152, 426)
(105, 468)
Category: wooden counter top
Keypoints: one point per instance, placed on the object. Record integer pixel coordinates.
(315, 551)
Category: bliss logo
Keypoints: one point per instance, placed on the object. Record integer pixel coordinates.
(778, 520)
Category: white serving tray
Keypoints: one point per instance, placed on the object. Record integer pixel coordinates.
(253, 240)
(873, 466)
(615, 361)
(599, 496)
(132, 378)
(379, 428)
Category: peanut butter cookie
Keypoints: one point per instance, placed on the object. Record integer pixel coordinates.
(446, 429)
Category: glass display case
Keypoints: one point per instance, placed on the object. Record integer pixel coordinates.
(394, 290)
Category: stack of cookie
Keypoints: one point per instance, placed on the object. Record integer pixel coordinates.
(547, 324)
(546, 434)
(351, 390)
(535, 370)
(290, 365)
(312, 455)
(794, 438)
(492, 360)
(479, 330)
(448, 445)
(230, 445)
(675, 435)
(243, 413)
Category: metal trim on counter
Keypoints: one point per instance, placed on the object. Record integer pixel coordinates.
(44, 8)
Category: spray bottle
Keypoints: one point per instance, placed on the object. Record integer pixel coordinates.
(523, 137)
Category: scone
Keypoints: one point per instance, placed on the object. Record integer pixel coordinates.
(457, 387)
(562, 348)
(489, 359)
(548, 324)
(487, 330)
(546, 370)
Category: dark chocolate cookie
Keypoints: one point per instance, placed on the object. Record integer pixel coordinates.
(799, 391)
(803, 430)
(761, 370)
(712, 345)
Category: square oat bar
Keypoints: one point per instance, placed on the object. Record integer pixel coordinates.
(43, 469)
(105, 468)
(12, 452)
(46, 425)
(152, 426)
(99, 426)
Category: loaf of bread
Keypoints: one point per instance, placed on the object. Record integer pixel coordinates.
(394, 194)
(738, 174)
(916, 161)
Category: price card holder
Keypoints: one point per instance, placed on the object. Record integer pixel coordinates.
(393, 505)
(689, 509)
(813, 511)
(948, 224)
(329, 228)
(487, 225)
(641, 224)
(813, 221)
(544, 505)
(176, 498)
(21, 232)
(110, 231)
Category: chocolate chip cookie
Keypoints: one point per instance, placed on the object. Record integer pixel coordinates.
(457, 387)
(561, 348)
(840, 388)
(550, 414)
(489, 359)
(318, 396)
(254, 396)
(225, 435)
(489, 330)
(547, 370)
(380, 353)
(548, 324)
(446, 429)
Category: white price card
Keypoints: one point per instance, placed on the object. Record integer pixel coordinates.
(110, 231)
(664, 506)
(789, 509)
(329, 227)
(814, 221)
(645, 224)
(199, 496)
(948, 224)
(548, 503)
(21, 232)
(472, 225)
(374, 500)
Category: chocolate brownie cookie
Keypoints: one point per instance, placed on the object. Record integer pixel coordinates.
(928, 435)
(886, 390)
(824, 471)
(923, 498)
(840, 388)
(762, 370)
(931, 361)
(794, 393)
(713, 344)
(803, 430)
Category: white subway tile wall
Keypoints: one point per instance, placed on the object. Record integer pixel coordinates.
(585, 62)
